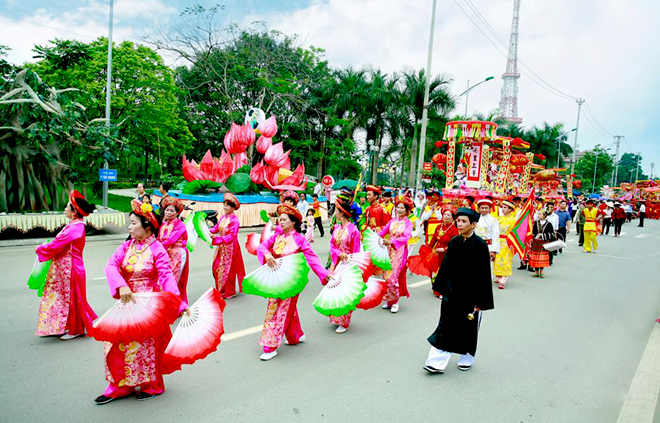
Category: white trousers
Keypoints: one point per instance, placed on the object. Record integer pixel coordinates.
(439, 359)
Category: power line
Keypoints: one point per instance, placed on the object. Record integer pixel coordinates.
(547, 86)
(47, 26)
(593, 115)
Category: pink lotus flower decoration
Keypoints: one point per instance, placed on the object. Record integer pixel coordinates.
(263, 144)
(191, 170)
(295, 182)
(257, 174)
(276, 157)
(269, 127)
(239, 138)
(240, 160)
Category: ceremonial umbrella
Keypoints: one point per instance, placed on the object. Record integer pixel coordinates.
(345, 183)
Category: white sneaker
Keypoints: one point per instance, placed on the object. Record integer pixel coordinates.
(340, 329)
(68, 336)
(385, 306)
(395, 308)
(267, 356)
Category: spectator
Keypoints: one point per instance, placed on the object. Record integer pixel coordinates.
(140, 191)
(303, 205)
(317, 214)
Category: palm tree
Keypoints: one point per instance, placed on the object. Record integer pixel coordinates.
(549, 140)
(440, 103)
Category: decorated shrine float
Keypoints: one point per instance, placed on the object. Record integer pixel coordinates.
(256, 187)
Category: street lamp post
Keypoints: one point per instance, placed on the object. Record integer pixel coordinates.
(559, 143)
(595, 168)
(470, 88)
(579, 101)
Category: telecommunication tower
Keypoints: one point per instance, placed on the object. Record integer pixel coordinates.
(509, 99)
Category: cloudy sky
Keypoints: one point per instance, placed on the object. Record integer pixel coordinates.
(602, 50)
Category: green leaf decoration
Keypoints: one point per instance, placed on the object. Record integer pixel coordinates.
(200, 186)
(238, 183)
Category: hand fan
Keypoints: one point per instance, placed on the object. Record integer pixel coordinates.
(362, 260)
(426, 263)
(286, 280)
(37, 279)
(342, 293)
(202, 228)
(198, 332)
(253, 241)
(379, 254)
(264, 216)
(268, 231)
(192, 233)
(148, 317)
(374, 293)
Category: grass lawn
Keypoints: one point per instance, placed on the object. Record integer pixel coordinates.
(116, 202)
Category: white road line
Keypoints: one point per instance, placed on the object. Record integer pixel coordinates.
(623, 233)
(422, 283)
(643, 236)
(597, 254)
(255, 329)
(639, 406)
(98, 279)
(241, 333)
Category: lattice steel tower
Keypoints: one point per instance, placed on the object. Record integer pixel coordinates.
(509, 99)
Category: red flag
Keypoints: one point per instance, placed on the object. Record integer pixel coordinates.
(522, 230)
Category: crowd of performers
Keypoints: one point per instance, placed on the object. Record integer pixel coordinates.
(155, 259)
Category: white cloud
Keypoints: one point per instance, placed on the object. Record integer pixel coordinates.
(603, 51)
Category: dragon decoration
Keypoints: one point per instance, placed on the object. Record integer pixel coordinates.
(273, 171)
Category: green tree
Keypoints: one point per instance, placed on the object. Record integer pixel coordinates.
(144, 94)
(37, 123)
(628, 168)
(597, 162)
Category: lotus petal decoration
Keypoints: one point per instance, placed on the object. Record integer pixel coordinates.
(263, 144)
(206, 166)
(269, 127)
(257, 174)
(190, 171)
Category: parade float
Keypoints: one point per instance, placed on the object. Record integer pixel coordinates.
(256, 187)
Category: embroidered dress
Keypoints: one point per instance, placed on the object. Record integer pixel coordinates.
(433, 218)
(399, 231)
(282, 315)
(539, 257)
(376, 217)
(64, 306)
(174, 237)
(143, 267)
(345, 239)
(503, 259)
(228, 266)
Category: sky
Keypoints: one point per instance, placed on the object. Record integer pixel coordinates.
(604, 51)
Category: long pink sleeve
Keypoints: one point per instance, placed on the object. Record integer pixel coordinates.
(385, 230)
(70, 233)
(312, 259)
(400, 241)
(354, 242)
(113, 269)
(230, 234)
(264, 248)
(178, 232)
(165, 275)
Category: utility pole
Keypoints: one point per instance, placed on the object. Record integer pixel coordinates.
(639, 155)
(615, 171)
(652, 166)
(108, 89)
(425, 111)
(579, 101)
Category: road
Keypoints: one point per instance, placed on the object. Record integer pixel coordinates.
(561, 349)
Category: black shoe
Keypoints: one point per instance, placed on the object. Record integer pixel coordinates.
(102, 399)
(522, 267)
(143, 396)
(531, 269)
(433, 370)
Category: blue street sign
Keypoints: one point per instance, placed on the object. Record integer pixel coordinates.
(108, 175)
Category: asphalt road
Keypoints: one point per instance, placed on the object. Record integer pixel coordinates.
(561, 349)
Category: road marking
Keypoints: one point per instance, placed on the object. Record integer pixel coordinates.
(255, 329)
(643, 236)
(623, 233)
(422, 283)
(98, 279)
(571, 240)
(241, 333)
(642, 397)
(601, 255)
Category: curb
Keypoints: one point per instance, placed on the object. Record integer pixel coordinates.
(92, 238)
